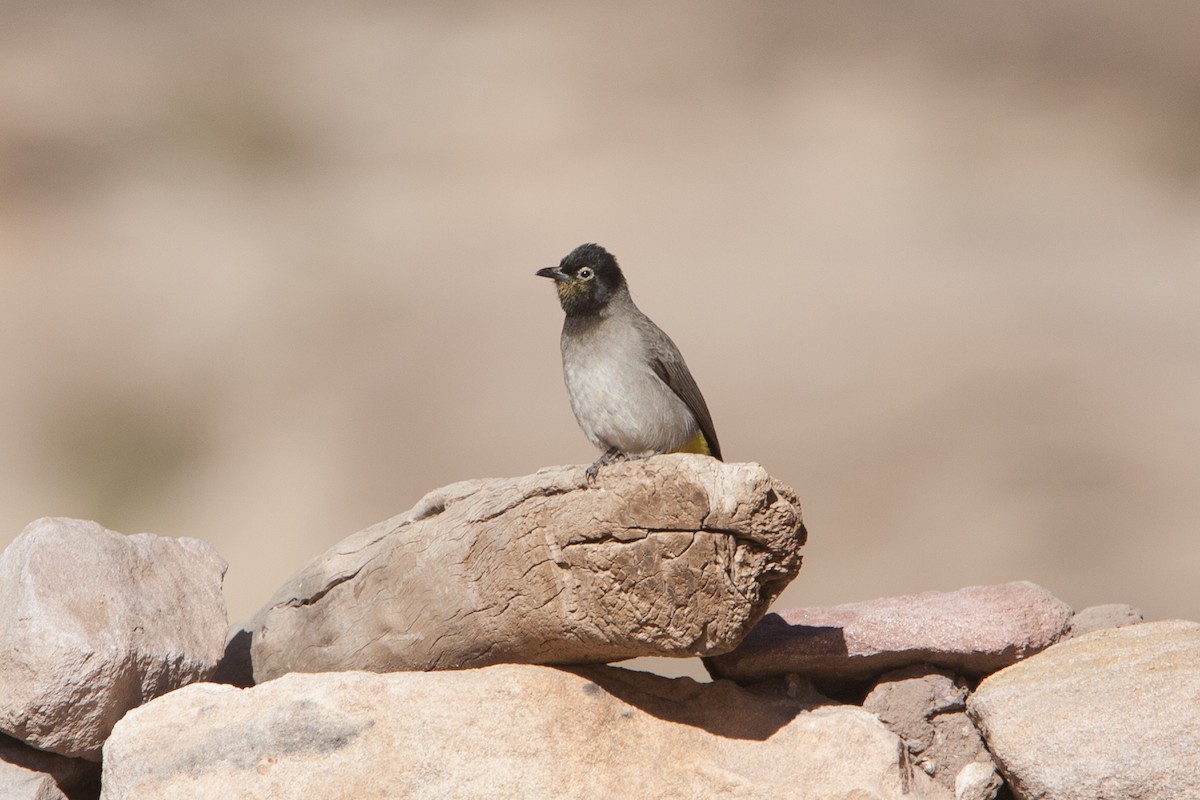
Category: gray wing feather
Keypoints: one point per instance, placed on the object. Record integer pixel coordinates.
(668, 364)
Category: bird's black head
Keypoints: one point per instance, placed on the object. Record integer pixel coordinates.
(586, 279)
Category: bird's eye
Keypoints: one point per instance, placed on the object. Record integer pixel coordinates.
(585, 273)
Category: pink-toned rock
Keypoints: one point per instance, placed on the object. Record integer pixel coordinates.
(973, 631)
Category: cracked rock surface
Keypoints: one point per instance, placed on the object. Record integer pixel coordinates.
(673, 555)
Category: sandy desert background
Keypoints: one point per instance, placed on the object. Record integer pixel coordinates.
(266, 270)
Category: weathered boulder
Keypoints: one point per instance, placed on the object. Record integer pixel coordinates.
(673, 555)
(1113, 713)
(501, 731)
(972, 631)
(95, 623)
(926, 707)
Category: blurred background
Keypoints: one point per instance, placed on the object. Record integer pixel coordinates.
(266, 270)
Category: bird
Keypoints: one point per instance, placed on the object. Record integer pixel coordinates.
(629, 387)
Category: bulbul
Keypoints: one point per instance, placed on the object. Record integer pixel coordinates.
(630, 389)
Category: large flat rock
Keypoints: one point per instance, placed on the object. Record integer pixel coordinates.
(673, 555)
(1109, 714)
(95, 623)
(972, 631)
(506, 731)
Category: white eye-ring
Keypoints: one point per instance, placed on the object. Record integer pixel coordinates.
(585, 273)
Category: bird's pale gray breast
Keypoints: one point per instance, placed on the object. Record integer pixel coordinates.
(615, 393)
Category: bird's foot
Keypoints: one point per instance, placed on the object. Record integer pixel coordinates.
(611, 456)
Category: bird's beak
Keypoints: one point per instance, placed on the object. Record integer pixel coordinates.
(555, 273)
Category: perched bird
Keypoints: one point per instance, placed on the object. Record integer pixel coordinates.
(630, 389)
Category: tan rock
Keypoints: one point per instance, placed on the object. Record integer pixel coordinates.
(506, 731)
(1113, 713)
(95, 623)
(674, 555)
(972, 631)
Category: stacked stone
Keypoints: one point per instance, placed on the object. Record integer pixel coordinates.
(462, 649)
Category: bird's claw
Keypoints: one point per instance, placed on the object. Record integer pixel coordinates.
(611, 456)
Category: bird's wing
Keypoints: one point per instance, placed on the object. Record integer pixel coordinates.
(668, 364)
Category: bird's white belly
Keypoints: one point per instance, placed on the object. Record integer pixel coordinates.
(627, 406)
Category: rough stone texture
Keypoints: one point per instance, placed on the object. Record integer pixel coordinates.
(674, 555)
(1110, 714)
(76, 777)
(978, 781)
(502, 731)
(1097, 618)
(18, 783)
(973, 631)
(95, 623)
(926, 708)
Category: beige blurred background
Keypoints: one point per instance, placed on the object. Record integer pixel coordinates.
(266, 270)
